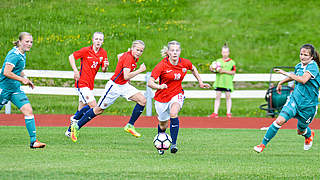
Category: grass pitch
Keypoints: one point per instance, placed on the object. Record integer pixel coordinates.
(110, 153)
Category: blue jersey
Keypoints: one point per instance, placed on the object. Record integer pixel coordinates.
(306, 95)
(18, 61)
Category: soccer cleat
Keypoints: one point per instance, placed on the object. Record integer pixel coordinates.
(174, 148)
(308, 142)
(259, 148)
(213, 115)
(229, 115)
(161, 152)
(67, 133)
(130, 129)
(74, 132)
(37, 144)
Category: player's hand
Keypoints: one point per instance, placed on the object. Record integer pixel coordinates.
(279, 87)
(142, 67)
(280, 71)
(204, 85)
(76, 76)
(163, 86)
(27, 82)
(106, 63)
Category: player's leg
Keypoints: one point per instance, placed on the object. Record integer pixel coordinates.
(163, 112)
(303, 126)
(133, 94)
(174, 125)
(110, 95)
(229, 103)
(21, 101)
(216, 105)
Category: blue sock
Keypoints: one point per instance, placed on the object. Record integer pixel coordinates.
(138, 109)
(86, 118)
(307, 134)
(31, 127)
(160, 130)
(81, 112)
(272, 131)
(174, 129)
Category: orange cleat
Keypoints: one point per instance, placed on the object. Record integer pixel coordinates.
(37, 144)
(229, 115)
(259, 148)
(308, 142)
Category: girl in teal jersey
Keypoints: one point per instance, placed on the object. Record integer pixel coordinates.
(11, 77)
(303, 101)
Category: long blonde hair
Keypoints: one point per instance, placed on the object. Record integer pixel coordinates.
(21, 36)
(164, 50)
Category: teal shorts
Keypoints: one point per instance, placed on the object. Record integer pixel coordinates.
(17, 98)
(304, 115)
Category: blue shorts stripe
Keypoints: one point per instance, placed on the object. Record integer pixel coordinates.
(105, 95)
(82, 96)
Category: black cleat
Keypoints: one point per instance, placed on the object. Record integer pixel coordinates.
(174, 148)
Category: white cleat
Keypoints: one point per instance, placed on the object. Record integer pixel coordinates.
(67, 133)
(308, 142)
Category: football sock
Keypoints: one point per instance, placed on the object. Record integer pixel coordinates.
(307, 134)
(174, 129)
(138, 109)
(86, 118)
(272, 131)
(160, 130)
(81, 112)
(31, 127)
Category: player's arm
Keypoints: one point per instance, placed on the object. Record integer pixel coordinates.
(9, 74)
(105, 66)
(232, 72)
(197, 76)
(127, 75)
(72, 62)
(152, 84)
(301, 79)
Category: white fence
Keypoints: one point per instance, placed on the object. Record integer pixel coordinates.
(142, 77)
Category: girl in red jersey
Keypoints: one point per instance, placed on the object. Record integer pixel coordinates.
(118, 86)
(92, 58)
(169, 96)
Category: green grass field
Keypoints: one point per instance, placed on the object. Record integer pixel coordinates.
(261, 33)
(110, 153)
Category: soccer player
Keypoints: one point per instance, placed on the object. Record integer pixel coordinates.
(11, 77)
(92, 58)
(223, 81)
(303, 101)
(169, 96)
(118, 86)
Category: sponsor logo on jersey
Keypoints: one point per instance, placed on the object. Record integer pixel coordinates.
(168, 71)
(184, 70)
(89, 57)
(101, 58)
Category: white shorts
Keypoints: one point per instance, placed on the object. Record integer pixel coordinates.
(112, 91)
(163, 109)
(85, 95)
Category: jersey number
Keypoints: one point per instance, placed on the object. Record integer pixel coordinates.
(177, 76)
(94, 64)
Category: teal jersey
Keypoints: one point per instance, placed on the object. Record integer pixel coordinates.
(306, 95)
(18, 60)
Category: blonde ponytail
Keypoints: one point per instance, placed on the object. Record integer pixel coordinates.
(21, 36)
(164, 50)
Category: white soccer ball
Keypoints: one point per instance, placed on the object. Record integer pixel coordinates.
(215, 66)
(162, 141)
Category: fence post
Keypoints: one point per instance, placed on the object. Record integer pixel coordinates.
(148, 95)
(8, 108)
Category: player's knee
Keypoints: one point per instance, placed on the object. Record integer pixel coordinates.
(163, 125)
(142, 101)
(98, 110)
(280, 121)
(300, 132)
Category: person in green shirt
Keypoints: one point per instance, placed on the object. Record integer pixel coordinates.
(11, 77)
(225, 71)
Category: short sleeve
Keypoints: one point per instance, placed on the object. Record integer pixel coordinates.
(126, 59)
(79, 54)
(12, 59)
(156, 72)
(188, 64)
(312, 69)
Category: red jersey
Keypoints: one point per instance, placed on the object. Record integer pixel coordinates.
(172, 76)
(125, 61)
(90, 64)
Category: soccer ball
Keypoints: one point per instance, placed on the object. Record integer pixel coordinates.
(162, 141)
(216, 66)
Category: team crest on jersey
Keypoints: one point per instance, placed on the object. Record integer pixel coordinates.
(101, 58)
(184, 70)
